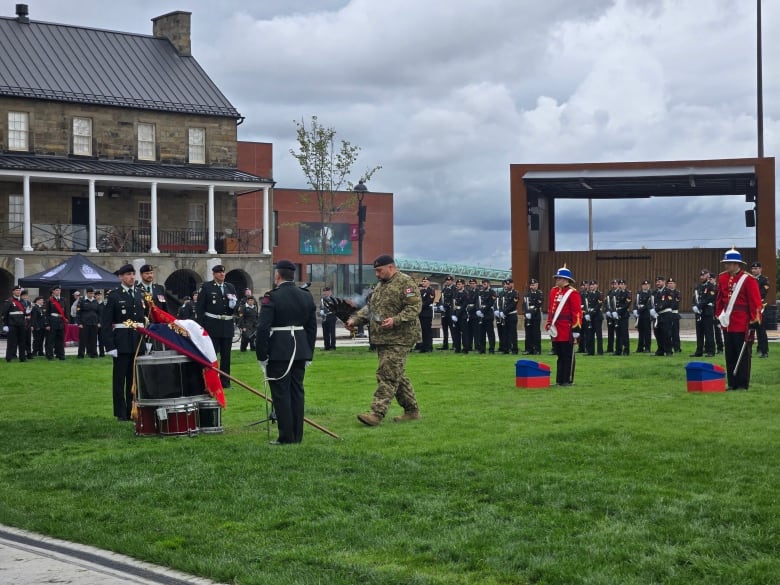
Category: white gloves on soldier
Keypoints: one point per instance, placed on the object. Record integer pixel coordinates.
(307, 363)
(232, 303)
(454, 319)
(575, 335)
(263, 365)
(113, 353)
(322, 312)
(480, 314)
(654, 313)
(5, 328)
(636, 314)
(528, 315)
(696, 309)
(497, 314)
(587, 317)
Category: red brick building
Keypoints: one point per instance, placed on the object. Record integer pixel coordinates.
(296, 228)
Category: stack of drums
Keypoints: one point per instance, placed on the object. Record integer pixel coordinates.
(172, 397)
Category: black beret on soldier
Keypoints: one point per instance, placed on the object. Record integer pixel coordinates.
(125, 269)
(285, 265)
(383, 260)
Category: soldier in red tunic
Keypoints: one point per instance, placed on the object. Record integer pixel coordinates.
(738, 307)
(564, 322)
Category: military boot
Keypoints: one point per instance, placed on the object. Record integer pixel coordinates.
(410, 415)
(370, 419)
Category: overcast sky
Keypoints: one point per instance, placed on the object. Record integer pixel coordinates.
(446, 94)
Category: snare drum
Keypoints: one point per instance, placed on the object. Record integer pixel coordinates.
(179, 419)
(209, 417)
(146, 421)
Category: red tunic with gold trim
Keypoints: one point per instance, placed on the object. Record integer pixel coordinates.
(570, 316)
(747, 307)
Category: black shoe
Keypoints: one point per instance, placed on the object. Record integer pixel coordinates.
(709, 355)
(764, 355)
(695, 355)
(443, 348)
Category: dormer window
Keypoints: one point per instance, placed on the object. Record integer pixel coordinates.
(19, 131)
(82, 136)
(197, 145)
(146, 142)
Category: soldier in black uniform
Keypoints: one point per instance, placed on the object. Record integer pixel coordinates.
(187, 309)
(101, 307)
(217, 301)
(593, 318)
(507, 315)
(609, 308)
(533, 302)
(471, 331)
(286, 334)
(125, 303)
(644, 302)
(486, 305)
(148, 286)
(56, 320)
(676, 298)
(663, 301)
(328, 319)
(38, 324)
(445, 309)
(763, 288)
(247, 323)
(704, 295)
(27, 324)
(459, 316)
(715, 322)
(620, 315)
(89, 322)
(426, 315)
(13, 319)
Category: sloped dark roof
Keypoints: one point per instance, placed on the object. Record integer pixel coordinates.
(60, 164)
(84, 65)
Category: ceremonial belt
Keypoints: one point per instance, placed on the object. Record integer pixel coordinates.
(458, 307)
(56, 315)
(16, 313)
(471, 305)
(675, 311)
(123, 326)
(290, 328)
(220, 317)
(512, 313)
(664, 311)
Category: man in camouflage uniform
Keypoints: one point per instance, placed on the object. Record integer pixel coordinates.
(392, 313)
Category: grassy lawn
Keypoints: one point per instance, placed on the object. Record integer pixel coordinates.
(624, 478)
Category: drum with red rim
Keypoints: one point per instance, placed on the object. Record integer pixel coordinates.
(178, 419)
(146, 421)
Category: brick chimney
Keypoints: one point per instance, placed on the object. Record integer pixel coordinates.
(175, 26)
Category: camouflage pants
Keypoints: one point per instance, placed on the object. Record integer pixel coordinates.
(392, 381)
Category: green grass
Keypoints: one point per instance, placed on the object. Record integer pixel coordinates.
(624, 478)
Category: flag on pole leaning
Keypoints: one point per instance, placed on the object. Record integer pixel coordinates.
(186, 337)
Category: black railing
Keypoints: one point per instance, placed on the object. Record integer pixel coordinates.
(75, 237)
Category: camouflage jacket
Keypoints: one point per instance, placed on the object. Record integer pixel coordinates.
(397, 298)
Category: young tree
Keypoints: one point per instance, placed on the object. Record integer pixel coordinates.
(326, 168)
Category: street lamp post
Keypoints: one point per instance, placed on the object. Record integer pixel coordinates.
(360, 190)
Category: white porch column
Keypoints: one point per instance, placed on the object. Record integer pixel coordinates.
(266, 222)
(212, 249)
(153, 249)
(92, 247)
(26, 237)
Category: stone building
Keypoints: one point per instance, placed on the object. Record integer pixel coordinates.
(121, 147)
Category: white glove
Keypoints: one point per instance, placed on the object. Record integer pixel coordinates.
(232, 303)
(454, 319)
(696, 309)
(148, 347)
(636, 314)
(575, 335)
(497, 314)
(441, 308)
(263, 365)
(654, 313)
(528, 315)
(307, 363)
(322, 312)
(502, 315)
(5, 328)
(113, 353)
(587, 317)
(480, 313)
(614, 315)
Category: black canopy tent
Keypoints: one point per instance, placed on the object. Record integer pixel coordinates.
(74, 273)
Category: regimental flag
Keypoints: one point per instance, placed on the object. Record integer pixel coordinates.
(186, 337)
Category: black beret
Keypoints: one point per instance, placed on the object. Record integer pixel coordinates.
(125, 269)
(25, 291)
(218, 268)
(621, 281)
(670, 279)
(645, 282)
(285, 265)
(593, 282)
(17, 287)
(90, 289)
(474, 280)
(756, 265)
(461, 281)
(660, 278)
(186, 298)
(324, 288)
(449, 277)
(485, 280)
(56, 286)
(510, 281)
(147, 268)
(532, 281)
(383, 260)
(703, 271)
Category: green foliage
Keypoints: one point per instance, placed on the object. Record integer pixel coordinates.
(624, 478)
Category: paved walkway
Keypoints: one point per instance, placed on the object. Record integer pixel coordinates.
(31, 559)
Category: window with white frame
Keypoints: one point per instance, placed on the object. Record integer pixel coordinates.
(146, 142)
(18, 131)
(197, 145)
(197, 217)
(15, 214)
(82, 136)
(144, 214)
